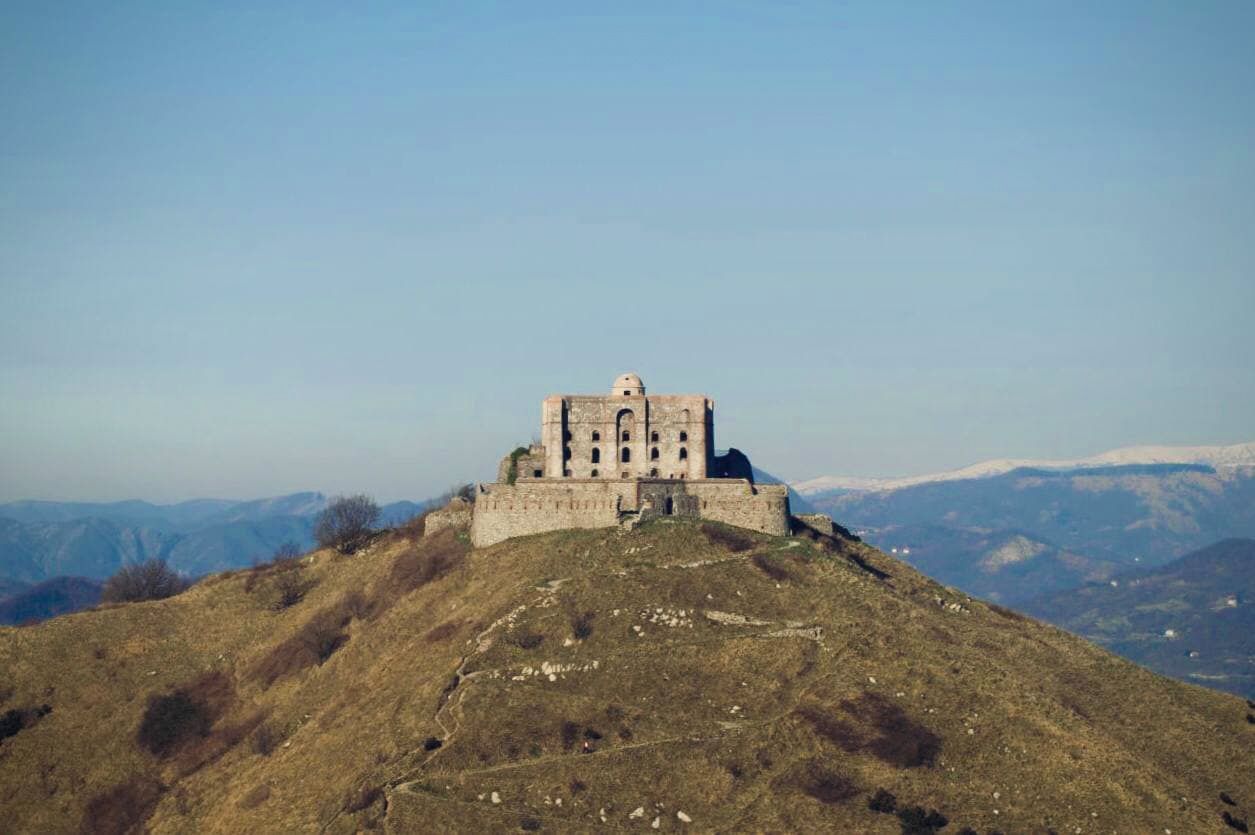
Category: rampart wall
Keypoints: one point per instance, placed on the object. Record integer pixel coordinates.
(503, 511)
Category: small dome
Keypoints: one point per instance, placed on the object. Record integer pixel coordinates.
(628, 384)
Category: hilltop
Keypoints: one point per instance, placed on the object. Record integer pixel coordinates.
(1193, 618)
(721, 680)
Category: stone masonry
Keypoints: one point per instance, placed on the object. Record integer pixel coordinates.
(619, 459)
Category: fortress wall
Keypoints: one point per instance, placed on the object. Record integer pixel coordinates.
(503, 511)
(764, 507)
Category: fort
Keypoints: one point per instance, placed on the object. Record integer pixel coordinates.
(620, 459)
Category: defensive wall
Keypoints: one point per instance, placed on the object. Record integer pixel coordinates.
(503, 511)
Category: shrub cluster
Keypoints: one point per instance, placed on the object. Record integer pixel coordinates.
(915, 820)
(311, 646)
(123, 808)
(148, 580)
(17, 719)
(582, 625)
(346, 523)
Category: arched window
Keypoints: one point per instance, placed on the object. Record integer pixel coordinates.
(653, 454)
(596, 455)
(627, 436)
(594, 473)
(653, 473)
(626, 455)
(566, 434)
(566, 453)
(596, 435)
(670, 506)
(653, 437)
(684, 436)
(684, 454)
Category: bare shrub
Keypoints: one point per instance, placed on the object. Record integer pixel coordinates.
(728, 538)
(346, 522)
(18, 719)
(421, 565)
(255, 797)
(915, 820)
(881, 729)
(772, 567)
(290, 589)
(286, 552)
(883, 801)
(148, 580)
(528, 640)
(1235, 823)
(123, 808)
(826, 785)
(175, 719)
(582, 625)
(265, 739)
(442, 632)
(361, 797)
(570, 734)
(311, 646)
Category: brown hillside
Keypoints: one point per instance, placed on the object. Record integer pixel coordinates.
(721, 680)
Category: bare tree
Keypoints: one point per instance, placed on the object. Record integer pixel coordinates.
(346, 522)
(465, 492)
(287, 551)
(149, 580)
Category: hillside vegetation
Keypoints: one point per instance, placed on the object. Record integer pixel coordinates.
(676, 677)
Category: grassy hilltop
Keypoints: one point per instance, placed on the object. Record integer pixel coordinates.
(722, 680)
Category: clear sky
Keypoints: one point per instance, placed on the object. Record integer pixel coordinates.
(253, 248)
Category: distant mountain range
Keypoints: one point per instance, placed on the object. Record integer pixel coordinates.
(1013, 534)
(1193, 618)
(48, 599)
(1217, 457)
(40, 540)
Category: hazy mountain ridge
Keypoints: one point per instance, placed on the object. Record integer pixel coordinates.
(1216, 457)
(58, 596)
(1086, 524)
(40, 540)
(1193, 618)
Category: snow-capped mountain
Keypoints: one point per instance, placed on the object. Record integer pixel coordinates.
(1219, 457)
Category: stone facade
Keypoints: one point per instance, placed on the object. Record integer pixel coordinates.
(622, 458)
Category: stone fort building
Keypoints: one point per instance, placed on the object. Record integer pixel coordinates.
(621, 458)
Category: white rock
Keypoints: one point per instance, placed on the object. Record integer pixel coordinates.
(683, 817)
(871, 679)
(496, 798)
(657, 822)
(552, 677)
(638, 812)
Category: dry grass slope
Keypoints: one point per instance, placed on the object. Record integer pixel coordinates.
(690, 675)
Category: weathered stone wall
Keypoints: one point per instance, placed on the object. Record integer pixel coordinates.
(503, 511)
(507, 510)
(667, 436)
(456, 514)
(818, 522)
(530, 465)
(763, 507)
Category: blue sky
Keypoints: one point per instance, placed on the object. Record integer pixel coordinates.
(251, 250)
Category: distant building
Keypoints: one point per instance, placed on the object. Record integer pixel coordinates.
(616, 459)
